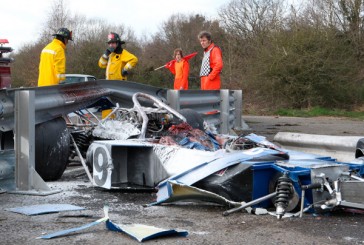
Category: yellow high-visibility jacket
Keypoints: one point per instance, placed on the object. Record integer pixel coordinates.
(52, 66)
(115, 63)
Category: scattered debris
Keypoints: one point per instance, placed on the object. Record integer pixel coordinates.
(144, 232)
(137, 231)
(44, 209)
(68, 231)
(179, 192)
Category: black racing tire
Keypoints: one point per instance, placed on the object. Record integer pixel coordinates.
(52, 148)
(359, 152)
(193, 118)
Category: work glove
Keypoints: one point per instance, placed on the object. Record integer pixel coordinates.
(124, 73)
(108, 51)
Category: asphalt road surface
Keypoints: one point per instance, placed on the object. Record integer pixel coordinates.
(270, 126)
(205, 223)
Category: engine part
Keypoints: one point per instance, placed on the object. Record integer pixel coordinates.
(239, 143)
(142, 122)
(304, 188)
(142, 113)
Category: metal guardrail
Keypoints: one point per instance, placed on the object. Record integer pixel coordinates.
(223, 108)
(340, 147)
(55, 101)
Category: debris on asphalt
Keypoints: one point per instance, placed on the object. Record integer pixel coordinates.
(139, 232)
(44, 209)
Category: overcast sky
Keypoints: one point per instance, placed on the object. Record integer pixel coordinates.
(21, 20)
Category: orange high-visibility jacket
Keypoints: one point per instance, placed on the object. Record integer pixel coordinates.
(52, 66)
(212, 81)
(116, 63)
(180, 70)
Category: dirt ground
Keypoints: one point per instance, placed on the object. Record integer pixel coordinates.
(205, 223)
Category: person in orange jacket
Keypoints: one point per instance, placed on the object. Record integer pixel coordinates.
(212, 64)
(180, 69)
(52, 65)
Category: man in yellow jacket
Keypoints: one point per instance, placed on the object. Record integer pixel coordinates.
(117, 61)
(52, 66)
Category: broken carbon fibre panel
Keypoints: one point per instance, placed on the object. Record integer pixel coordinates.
(205, 169)
(136, 231)
(182, 192)
(144, 232)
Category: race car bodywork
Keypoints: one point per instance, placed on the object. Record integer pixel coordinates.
(241, 169)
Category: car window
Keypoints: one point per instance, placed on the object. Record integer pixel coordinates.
(91, 78)
(70, 79)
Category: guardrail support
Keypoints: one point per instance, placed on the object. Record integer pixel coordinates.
(224, 111)
(27, 180)
(173, 99)
(238, 105)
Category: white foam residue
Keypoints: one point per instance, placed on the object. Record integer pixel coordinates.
(117, 130)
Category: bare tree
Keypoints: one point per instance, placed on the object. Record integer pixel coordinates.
(246, 18)
(302, 56)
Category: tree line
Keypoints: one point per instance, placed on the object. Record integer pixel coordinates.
(280, 55)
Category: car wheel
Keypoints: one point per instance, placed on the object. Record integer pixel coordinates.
(52, 148)
(359, 148)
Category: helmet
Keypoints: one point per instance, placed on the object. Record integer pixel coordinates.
(114, 37)
(64, 32)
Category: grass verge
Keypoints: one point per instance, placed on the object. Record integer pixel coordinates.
(318, 111)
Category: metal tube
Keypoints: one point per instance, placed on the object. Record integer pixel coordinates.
(251, 203)
(93, 115)
(302, 202)
(111, 113)
(352, 176)
(357, 178)
(85, 118)
(82, 160)
(144, 116)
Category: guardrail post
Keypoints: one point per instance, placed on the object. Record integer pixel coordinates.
(238, 105)
(224, 111)
(24, 139)
(27, 179)
(173, 99)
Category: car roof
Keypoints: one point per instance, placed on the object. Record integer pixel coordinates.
(78, 75)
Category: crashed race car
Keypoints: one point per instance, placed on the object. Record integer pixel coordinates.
(151, 146)
(183, 158)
